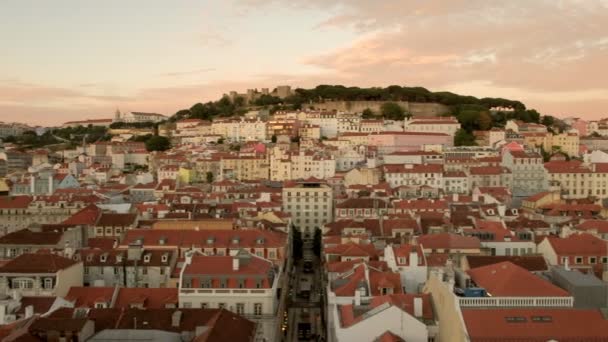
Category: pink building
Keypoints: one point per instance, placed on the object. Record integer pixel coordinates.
(389, 142)
(580, 126)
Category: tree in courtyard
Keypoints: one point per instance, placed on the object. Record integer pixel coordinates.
(158, 143)
(392, 111)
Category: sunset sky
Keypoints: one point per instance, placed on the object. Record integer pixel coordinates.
(66, 59)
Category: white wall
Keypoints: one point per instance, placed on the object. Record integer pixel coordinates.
(392, 319)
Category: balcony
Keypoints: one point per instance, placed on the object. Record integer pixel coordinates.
(515, 302)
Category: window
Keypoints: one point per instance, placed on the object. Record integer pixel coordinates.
(257, 309)
(116, 270)
(221, 305)
(592, 260)
(23, 284)
(604, 260)
(162, 271)
(144, 270)
(204, 305)
(578, 260)
(240, 308)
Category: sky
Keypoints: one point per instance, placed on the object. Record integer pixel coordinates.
(65, 60)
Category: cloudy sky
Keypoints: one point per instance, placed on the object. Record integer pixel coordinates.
(69, 59)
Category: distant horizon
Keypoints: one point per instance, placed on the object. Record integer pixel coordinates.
(110, 115)
(64, 61)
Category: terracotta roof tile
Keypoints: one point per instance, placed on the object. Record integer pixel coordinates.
(37, 263)
(535, 325)
(506, 279)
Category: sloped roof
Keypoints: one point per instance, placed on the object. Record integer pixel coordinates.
(448, 241)
(578, 244)
(37, 263)
(532, 263)
(535, 324)
(506, 279)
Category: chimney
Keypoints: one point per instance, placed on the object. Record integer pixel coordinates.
(2, 313)
(417, 307)
(414, 258)
(235, 264)
(29, 311)
(566, 265)
(358, 297)
(176, 318)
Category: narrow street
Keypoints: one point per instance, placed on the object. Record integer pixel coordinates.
(304, 322)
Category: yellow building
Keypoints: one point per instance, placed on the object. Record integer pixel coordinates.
(187, 175)
(565, 142)
(244, 168)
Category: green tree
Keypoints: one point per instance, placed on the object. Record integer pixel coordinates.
(209, 177)
(546, 155)
(158, 143)
(367, 114)
(464, 138)
(273, 139)
(392, 111)
(548, 120)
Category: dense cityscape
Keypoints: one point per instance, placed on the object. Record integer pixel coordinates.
(286, 219)
(304, 170)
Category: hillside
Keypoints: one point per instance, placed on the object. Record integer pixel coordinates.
(472, 112)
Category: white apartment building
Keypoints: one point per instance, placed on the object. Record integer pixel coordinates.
(446, 125)
(529, 174)
(242, 283)
(240, 130)
(310, 203)
(414, 175)
(133, 117)
(304, 164)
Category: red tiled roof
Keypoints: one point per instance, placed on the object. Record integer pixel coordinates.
(421, 205)
(578, 244)
(87, 297)
(114, 219)
(448, 241)
(15, 202)
(28, 237)
(249, 269)
(389, 337)
(352, 249)
(220, 238)
(532, 263)
(573, 166)
(41, 305)
(37, 263)
(537, 197)
(601, 226)
(506, 279)
(150, 298)
(535, 325)
(86, 216)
